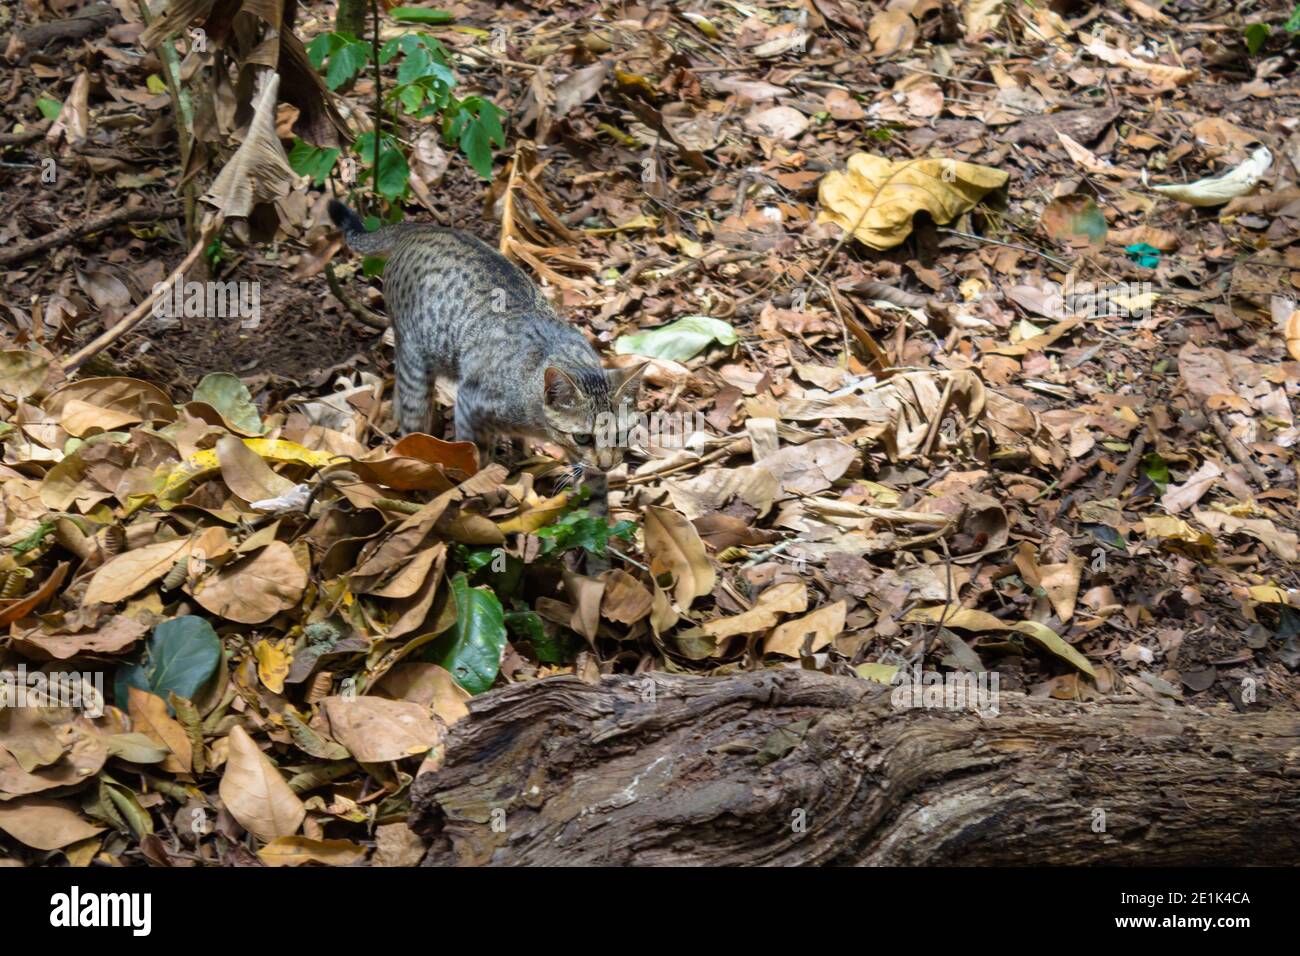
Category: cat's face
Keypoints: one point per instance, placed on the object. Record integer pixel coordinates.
(584, 409)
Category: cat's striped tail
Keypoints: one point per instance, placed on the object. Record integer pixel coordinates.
(354, 231)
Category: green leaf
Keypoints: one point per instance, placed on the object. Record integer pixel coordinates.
(528, 627)
(471, 649)
(50, 108)
(411, 96)
(322, 46)
(229, 396)
(1256, 37)
(476, 128)
(314, 161)
(181, 657)
(420, 15)
(678, 341)
(414, 65)
(1293, 25)
(1157, 469)
(394, 174)
(346, 62)
(581, 529)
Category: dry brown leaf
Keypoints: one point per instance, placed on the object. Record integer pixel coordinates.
(149, 717)
(824, 624)
(254, 590)
(376, 730)
(255, 793)
(784, 598)
(297, 850)
(674, 546)
(246, 474)
(44, 824)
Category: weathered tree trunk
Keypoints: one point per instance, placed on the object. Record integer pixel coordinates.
(796, 767)
(351, 17)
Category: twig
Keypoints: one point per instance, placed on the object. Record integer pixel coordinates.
(1010, 245)
(140, 311)
(25, 137)
(1126, 471)
(499, 61)
(1238, 451)
(359, 311)
(66, 234)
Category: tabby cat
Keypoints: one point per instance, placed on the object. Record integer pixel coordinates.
(462, 310)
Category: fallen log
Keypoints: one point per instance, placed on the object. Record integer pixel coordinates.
(790, 767)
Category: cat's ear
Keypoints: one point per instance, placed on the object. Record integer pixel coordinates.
(625, 381)
(560, 389)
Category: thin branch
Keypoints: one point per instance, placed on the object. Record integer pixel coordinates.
(134, 318)
(66, 234)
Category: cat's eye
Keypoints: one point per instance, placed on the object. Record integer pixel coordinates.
(583, 441)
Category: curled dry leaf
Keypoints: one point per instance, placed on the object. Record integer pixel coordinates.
(255, 793)
(674, 546)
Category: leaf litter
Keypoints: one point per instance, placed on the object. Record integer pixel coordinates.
(939, 412)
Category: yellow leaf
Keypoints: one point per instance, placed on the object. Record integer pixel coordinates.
(537, 513)
(1268, 594)
(172, 482)
(272, 665)
(296, 850)
(879, 673)
(784, 598)
(876, 197)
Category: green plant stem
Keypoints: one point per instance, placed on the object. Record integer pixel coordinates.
(183, 110)
(379, 100)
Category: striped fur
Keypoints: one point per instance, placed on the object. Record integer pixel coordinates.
(462, 310)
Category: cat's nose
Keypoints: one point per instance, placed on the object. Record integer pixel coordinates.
(607, 458)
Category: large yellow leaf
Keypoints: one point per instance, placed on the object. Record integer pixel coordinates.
(255, 793)
(876, 197)
(172, 481)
